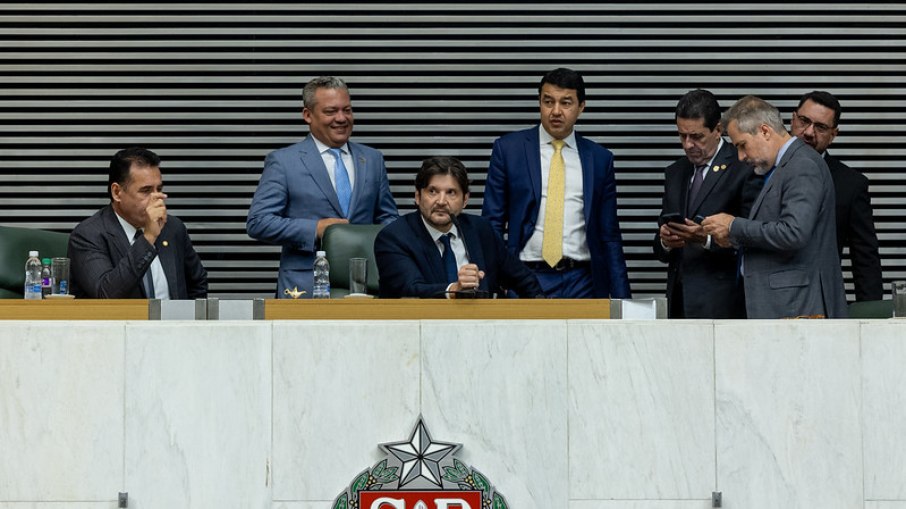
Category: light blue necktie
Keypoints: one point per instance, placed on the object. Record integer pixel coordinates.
(344, 188)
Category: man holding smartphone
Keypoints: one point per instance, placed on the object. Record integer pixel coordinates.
(701, 276)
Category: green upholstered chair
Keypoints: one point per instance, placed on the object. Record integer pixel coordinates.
(342, 242)
(871, 309)
(15, 243)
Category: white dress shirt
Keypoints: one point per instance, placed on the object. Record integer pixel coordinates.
(575, 245)
(330, 162)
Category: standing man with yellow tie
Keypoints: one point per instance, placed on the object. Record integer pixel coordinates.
(554, 194)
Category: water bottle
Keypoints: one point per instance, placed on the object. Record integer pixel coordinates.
(46, 275)
(321, 277)
(33, 277)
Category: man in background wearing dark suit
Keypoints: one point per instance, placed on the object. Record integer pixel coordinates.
(554, 193)
(322, 180)
(701, 276)
(816, 122)
(438, 252)
(132, 248)
(789, 258)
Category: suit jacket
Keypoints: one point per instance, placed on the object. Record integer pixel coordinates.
(410, 264)
(790, 258)
(512, 196)
(295, 192)
(105, 266)
(856, 229)
(707, 278)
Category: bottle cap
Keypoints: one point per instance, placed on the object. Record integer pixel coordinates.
(321, 253)
(45, 261)
(32, 254)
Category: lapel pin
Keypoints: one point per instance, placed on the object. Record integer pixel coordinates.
(715, 168)
(165, 243)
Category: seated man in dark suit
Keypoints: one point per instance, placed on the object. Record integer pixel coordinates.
(435, 252)
(131, 248)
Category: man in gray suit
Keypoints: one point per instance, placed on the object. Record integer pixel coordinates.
(788, 243)
(325, 179)
(132, 248)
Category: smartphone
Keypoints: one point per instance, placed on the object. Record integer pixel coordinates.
(671, 217)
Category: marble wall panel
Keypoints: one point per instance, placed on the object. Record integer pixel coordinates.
(884, 393)
(788, 414)
(198, 407)
(499, 388)
(61, 411)
(340, 389)
(641, 415)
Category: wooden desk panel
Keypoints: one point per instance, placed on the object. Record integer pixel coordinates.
(75, 309)
(436, 309)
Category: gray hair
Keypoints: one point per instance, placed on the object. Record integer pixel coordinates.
(308, 93)
(752, 112)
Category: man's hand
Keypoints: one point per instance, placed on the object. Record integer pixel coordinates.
(469, 278)
(327, 221)
(675, 235)
(156, 213)
(718, 227)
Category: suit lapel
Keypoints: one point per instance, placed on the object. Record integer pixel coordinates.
(775, 177)
(533, 160)
(588, 176)
(314, 165)
(429, 250)
(723, 160)
(473, 243)
(360, 170)
(115, 234)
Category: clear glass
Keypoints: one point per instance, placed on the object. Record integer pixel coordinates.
(59, 270)
(358, 275)
(899, 298)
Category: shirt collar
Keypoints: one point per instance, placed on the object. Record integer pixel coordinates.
(783, 150)
(128, 229)
(437, 234)
(324, 148)
(545, 138)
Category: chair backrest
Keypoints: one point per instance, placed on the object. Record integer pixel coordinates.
(871, 309)
(15, 243)
(342, 242)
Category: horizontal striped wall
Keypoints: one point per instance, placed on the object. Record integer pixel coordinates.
(214, 87)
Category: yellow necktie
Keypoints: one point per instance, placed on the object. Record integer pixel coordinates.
(552, 242)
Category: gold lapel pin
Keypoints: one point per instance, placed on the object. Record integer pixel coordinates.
(715, 168)
(165, 243)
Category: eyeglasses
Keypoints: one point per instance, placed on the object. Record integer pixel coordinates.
(805, 121)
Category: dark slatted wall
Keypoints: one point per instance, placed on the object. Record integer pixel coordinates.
(214, 87)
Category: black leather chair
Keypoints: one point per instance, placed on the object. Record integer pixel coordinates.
(342, 242)
(871, 309)
(15, 243)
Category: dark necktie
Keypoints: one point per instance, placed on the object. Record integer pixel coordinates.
(147, 280)
(697, 181)
(449, 259)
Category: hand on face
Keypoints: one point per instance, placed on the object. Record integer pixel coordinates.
(155, 216)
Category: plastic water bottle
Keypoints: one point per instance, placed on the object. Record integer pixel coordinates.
(321, 277)
(33, 277)
(46, 275)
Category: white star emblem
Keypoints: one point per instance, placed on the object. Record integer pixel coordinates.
(420, 455)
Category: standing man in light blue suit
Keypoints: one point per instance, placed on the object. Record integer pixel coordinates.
(788, 243)
(325, 179)
(575, 247)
